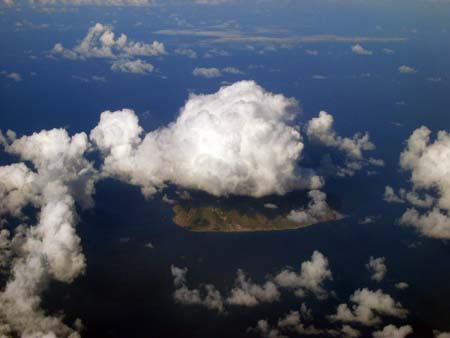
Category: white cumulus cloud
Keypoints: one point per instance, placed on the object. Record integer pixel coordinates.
(132, 66)
(101, 42)
(367, 307)
(240, 140)
(391, 331)
(429, 165)
(360, 50)
(377, 267)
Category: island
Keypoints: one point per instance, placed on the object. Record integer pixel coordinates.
(215, 218)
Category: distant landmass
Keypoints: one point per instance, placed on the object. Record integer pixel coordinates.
(225, 219)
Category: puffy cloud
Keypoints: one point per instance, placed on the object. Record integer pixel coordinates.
(367, 220)
(428, 162)
(132, 66)
(50, 249)
(5, 248)
(58, 48)
(101, 42)
(239, 140)
(406, 70)
(360, 50)
(434, 223)
(264, 329)
(183, 295)
(401, 285)
(190, 53)
(293, 322)
(429, 166)
(391, 331)
(403, 196)
(56, 155)
(312, 275)
(215, 72)
(377, 267)
(246, 293)
(206, 72)
(17, 189)
(349, 332)
(368, 305)
(390, 196)
(297, 322)
(438, 334)
(320, 129)
(270, 206)
(316, 210)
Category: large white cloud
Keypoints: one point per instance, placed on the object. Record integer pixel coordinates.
(51, 248)
(240, 140)
(429, 164)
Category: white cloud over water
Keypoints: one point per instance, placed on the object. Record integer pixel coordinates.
(240, 140)
(428, 163)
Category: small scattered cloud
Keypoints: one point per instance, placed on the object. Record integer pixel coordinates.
(377, 267)
(207, 72)
(190, 53)
(247, 293)
(320, 129)
(137, 66)
(360, 50)
(367, 220)
(406, 70)
(312, 52)
(401, 285)
(368, 305)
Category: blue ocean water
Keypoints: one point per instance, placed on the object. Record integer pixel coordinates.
(127, 288)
